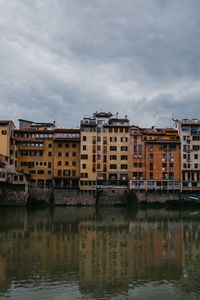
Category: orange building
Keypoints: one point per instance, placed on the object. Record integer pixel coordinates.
(160, 159)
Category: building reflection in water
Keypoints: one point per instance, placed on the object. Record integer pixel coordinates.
(103, 251)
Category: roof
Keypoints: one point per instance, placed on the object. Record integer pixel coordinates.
(188, 121)
(25, 121)
(158, 131)
(6, 122)
(102, 114)
(56, 130)
(118, 120)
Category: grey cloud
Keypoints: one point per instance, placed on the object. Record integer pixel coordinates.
(62, 59)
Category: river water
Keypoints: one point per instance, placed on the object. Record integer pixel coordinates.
(104, 253)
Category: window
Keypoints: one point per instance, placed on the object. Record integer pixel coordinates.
(195, 138)
(196, 156)
(84, 166)
(40, 171)
(124, 148)
(73, 145)
(135, 165)
(73, 154)
(113, 148)
(84, 147)
(98, 139)
(140, 165)
(67, 154)
(112, 166)
(84, 138)
(59, 145)
(113, 139)
(49, 164)
(98, 129)
(66, 163)
(124, 167)
(4, 132)
(59, 163)
(105, 129)
(193, 130)
(73, 163)
(98, 157)
(151, 175)
(59, 173)
(113, 157)
(50, 145)
(59, 154)
(124, 157)
(150, 148)
(67, 145)
(151, 157)
(23, 163)
(124, 139)
(73, 172)
(164, 175)
(151, 167)
(32, 153)
(164, 157)
(84, 156)
(196, 166)
(49, 153)
(66, 173)
(41, 153)
(172, 147)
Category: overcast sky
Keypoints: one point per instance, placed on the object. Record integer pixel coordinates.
(62, 59)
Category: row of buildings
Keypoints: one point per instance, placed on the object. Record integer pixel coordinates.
(106, 151)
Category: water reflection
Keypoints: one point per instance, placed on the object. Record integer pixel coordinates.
(109, 252)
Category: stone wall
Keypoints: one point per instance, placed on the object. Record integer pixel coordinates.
(64, 196)
(39, 195)
(13, 194)
(155, 196)
(112, 196)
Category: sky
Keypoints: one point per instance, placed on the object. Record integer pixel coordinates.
(61, 60)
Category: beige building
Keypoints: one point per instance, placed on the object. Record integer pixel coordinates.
(189, 132)
(104, 152)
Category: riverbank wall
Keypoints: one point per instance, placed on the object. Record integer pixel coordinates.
(13, 194)
(20, 195)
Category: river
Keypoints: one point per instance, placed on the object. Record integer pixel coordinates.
(105, 253)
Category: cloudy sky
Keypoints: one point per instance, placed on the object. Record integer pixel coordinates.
(60, 60)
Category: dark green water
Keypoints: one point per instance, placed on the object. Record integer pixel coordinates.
(109, 253)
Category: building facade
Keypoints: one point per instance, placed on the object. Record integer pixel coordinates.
(48, 155)
(104, 152)
(189, 132)
(155, 159)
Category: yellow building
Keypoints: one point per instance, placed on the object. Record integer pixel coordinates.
(104, 152)
(49, 155)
